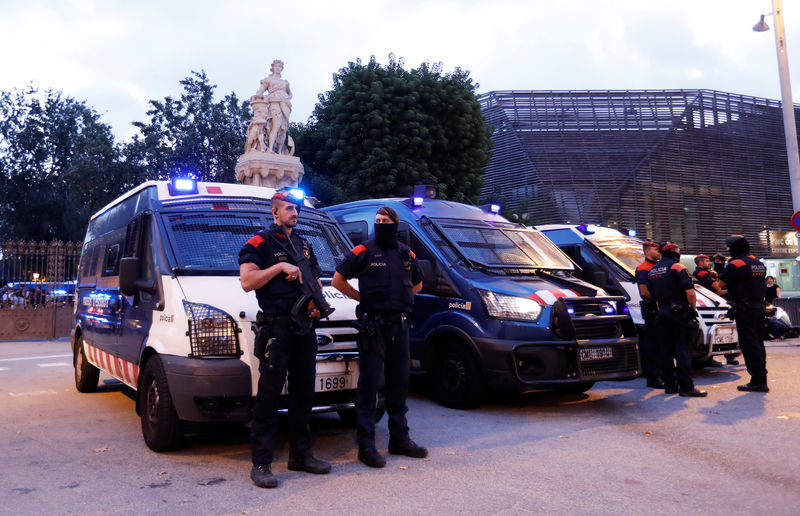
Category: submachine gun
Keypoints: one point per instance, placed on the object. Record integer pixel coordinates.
(312, 298)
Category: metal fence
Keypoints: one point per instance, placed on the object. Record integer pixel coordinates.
(37, 285)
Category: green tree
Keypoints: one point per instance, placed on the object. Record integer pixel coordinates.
(191, 135)
(56, 165)
(383, 129)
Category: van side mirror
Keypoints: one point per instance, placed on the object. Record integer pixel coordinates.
(599, 278)
(403, 232)
(129, 281)
(428, 272)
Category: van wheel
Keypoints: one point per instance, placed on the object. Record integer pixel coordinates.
(161, 427)
(457, 380)
(575, 388)
(86, 375)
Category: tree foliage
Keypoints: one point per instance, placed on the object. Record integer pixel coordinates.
(57, 164)
(192, 134)
(383, 129)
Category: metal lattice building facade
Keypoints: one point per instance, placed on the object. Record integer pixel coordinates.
(692, 166)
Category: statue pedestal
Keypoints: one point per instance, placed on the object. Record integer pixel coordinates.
(269, 169)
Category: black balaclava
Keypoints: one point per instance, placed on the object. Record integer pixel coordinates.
(738, 245)
(386, 234)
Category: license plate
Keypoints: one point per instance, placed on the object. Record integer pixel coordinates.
(723, 339)
(337, 382)
(589, 354)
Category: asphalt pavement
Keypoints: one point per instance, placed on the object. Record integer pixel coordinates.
(620, 448)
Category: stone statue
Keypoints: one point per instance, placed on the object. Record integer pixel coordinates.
(279, 107)
(268, 158)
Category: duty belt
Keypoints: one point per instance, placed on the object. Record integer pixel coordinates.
(386, 317)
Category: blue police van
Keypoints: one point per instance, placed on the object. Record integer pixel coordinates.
(500, 308)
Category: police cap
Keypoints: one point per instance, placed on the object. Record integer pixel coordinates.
(287, 194)
(670, 247)
(699, 258)
(389, 212)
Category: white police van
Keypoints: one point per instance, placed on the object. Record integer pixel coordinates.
(608, 259)
(159, 305)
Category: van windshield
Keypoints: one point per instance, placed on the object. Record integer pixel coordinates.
(624, 250)
(505, 247)
(206, 242)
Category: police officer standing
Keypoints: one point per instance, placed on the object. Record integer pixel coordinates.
(744, 278)
(268, 266)
(648, 343)
(707, 277)
(388, 278)
(671, 287)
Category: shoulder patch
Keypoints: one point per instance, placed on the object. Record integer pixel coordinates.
(255, 241)
(359, 249)
(414, 256)
(702, 273)
(738, 263)
(678, 267)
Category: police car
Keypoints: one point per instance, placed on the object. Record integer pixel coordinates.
(499, 307)
(609, 259)
(159, 305)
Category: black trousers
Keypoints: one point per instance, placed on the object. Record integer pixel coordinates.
(382, 351)
(749, 324)
(675, 348)
(649, 350)
(296, 354)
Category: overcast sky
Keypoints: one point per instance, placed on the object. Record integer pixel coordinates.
(117, 55)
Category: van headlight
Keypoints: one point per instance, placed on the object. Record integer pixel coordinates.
(212, 332)
(503, 306)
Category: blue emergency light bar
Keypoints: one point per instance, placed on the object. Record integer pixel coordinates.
(631, 232)
(297, 194)
(182, 186)
(493, 208)
(587, 229)
(417, 201)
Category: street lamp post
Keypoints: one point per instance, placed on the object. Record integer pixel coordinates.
(787, 105)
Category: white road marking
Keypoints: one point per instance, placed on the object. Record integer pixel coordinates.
(54, 364)
(32, 393)
(34, 358)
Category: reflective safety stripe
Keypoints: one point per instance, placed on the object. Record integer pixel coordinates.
(122, 370)
(549, 296)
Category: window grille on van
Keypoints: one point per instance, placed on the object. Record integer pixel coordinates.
(212, 332)
(205, 241)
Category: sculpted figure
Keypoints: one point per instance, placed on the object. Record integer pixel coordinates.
(255, 135)
(278, 96)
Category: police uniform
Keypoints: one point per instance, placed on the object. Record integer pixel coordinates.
(744, 277)
(386, 277)
(291, 349)
(648, 342)
(704, 278)
(668, 282)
